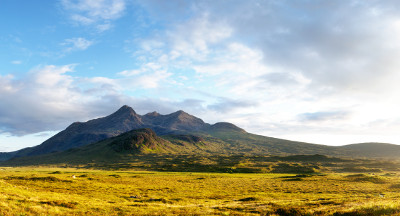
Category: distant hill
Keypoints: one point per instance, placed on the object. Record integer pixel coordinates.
(375, 150)
(181, 133)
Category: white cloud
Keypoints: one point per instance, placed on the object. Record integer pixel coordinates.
(193, 38)
(75, 44)
(104, 27)
(95, 12)
(47, 99)
(145, 68)
(148, 76)
(233, 58)
(152, 80)
(6, 84)
(130, 72)
(82, 19)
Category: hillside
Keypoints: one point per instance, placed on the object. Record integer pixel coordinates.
(125, 147)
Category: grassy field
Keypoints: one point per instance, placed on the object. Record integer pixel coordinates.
(53, 191)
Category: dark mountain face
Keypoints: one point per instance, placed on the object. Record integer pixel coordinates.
(123, 120)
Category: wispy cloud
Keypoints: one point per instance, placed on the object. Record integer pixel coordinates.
(145, 68)
(194, 37)
(76, 44)
(99, 13)
(148, 81)
(148, 76)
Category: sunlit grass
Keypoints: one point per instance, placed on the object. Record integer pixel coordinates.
(53, 191)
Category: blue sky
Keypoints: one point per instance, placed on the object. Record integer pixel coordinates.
(325, 72)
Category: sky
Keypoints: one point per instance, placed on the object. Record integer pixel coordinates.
(325, 72)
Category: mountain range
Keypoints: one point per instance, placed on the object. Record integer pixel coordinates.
(125, 131)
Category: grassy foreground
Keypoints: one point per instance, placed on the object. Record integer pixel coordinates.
(53, 191)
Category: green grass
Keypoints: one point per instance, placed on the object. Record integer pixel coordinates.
(53, 191)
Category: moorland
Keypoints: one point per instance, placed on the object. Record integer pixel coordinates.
(71, 191)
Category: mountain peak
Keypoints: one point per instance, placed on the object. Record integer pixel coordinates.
(179, 112)
(182, 115)
(124, 110)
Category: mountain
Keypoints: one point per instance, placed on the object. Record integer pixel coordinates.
(123, 120)
(182, 133)
(128, 146)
